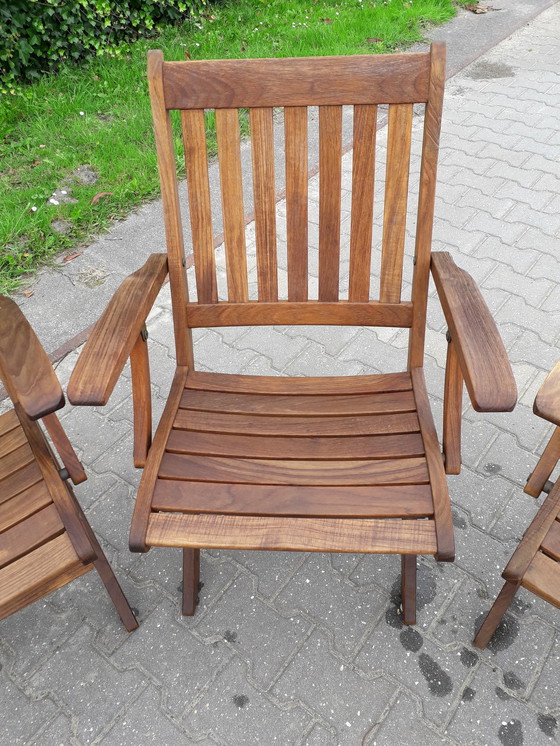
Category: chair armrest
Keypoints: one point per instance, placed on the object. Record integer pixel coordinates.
(25, 369)
(547, 401)
(481, 353)
(110, 344)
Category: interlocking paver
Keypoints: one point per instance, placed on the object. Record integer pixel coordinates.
(309, 649)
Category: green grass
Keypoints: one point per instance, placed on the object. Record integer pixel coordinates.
(99, 114)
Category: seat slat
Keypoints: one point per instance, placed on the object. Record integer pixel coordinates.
(273, 471)
(196, 162)
(358, 79)
(330, 179)
(363, 447)
(262, 150)
(298, 386)
(24, 537)
(352, 404)
(292, 534)
(26, 503)
(371, 424)
(295, 136)
(8, 421)
(410, 501)
(361, 221)
(44, 570)
(396, 194)
(227, 133)
(551, 542)
(19, 481)
(12, 440)
(543, 579)
(15, 460)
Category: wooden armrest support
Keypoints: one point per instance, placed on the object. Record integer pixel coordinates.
(547, 401)
(115, 334)
(481, 353)
(24, 366)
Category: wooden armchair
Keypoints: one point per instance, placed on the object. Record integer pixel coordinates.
(45, 539)
(535, 564)
(341, 464)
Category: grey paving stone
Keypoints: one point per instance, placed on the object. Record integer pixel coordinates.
(280, 348)
(86, 683)
(247, 623)
(271, 570)
(493, 716)
(323, 596)
(165, 650)
(482, 497)
(55, 733)
(405, 720)
(346, 699)
(233, 711)
(22, 714)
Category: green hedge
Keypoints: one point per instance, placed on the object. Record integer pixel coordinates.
(37, 36)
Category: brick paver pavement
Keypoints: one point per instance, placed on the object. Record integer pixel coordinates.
(309, 649)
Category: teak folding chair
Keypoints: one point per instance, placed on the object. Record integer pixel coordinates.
(535, 564)
(340, 464)
(45, 538)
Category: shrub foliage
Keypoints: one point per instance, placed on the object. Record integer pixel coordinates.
(37, 36)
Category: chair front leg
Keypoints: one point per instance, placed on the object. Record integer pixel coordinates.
(408, 588)
(191, 578)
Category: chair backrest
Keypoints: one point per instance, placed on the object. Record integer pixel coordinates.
(329, 83)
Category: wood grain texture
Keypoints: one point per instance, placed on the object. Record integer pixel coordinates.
(114, 336)
(141, 400)
(551, 542)
(543, 578)
(8, 421)
(545, 465)
(198, 185)
(361, 218)
(15, 460)
(426, 202)
(64, 449)
(452, 411)
(24, 366)
(171, 208)
(396, 199)
(19, 481)
(11, 441)
(328, 385)
(547, 401)
(297, 209)
(292, 534)
(361, 447)
(264, 192)
(481, 353)
(313, 81)
(231, 189)
(24, 537)
(274, 471)
(295, 427)
(330, 179)
(142, 505)
(533, 538)
(438, 482)
(413, 501)
(24, 504)
(310, 312)
(321, 406)
(49, 567)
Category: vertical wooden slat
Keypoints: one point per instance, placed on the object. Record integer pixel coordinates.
(227, 131)
(171, 210)
(196, 163)
(361, 221)
(330, 174)
(295, 136)
(262, 146)
(141, 399)
(452, 411)
(426, 201)
(396, 194)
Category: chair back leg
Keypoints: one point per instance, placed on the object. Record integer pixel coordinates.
(191, 578)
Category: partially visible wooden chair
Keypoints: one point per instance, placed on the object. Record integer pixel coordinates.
(45, 538)
(344, 464)
(535, 564)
